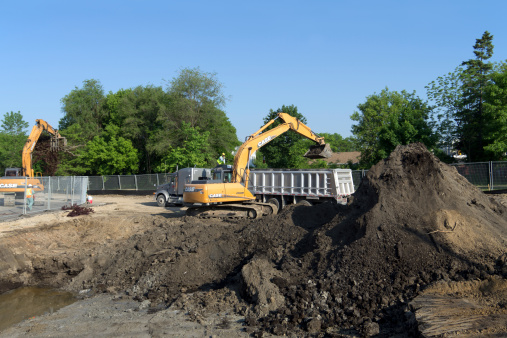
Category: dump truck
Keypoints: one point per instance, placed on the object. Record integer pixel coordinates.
(229, 195)
(172, 191)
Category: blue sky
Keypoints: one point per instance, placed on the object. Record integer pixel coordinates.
(325, 57)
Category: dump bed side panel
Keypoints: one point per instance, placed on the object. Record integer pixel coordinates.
(304, 182)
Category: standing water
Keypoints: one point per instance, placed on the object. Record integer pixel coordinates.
(26, 302)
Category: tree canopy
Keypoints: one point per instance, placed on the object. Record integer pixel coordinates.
(469, 105)
(12, 139)
(388, 119)
(155, 122)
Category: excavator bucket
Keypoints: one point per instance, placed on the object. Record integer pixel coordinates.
(320, 151)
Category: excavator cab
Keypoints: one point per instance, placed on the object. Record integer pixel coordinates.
(222, 173)
(12, 171)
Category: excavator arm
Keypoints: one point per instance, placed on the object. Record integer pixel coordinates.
(57, 141)
(262, 137)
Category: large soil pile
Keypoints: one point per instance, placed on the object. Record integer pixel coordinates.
(310, 269)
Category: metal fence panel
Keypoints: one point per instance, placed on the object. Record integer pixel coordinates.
(476, 173)
(128, 182)
(148, 182)
(95, 183)
(111, 182)
(53, 194)
(499, 175)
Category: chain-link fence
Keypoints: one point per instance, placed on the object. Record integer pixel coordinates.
(127, 182)
(49, 193)
(485, 175)
(60, 191)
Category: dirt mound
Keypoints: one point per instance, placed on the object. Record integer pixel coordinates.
(309, 270)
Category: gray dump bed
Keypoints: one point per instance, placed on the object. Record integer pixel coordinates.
(310, 183)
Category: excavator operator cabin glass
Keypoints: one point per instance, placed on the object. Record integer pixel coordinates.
(217, 175)
(227, 177)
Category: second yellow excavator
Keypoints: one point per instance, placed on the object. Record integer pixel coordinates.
(227, 194)
(16, 179)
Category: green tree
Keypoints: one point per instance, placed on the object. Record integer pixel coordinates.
(13, 124)
(338, 143)
(110, 154)
(12, 140)
(388, 119)
(194, 151)
(196, 94)
(84, 106)
(196, 98)
(447, 95)
(136, 112)
(495, 109)
(471, 122)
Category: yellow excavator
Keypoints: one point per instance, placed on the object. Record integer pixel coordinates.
(226, 195)
(16, 178)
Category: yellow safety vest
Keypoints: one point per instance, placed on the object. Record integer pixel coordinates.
(29, 192)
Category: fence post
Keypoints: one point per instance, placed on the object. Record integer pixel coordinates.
(135, 180)
(24, 197)
(49, 193)
(491, 175)
(72, 179)
(119, 181)
(103, 185)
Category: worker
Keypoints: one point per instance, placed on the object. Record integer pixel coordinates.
(221, 159)
(29, 197)
(89, 199)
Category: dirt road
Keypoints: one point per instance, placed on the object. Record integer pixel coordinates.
(416, 234)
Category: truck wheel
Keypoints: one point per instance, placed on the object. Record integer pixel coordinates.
(274, 201)
(161, 201)
(306, 203)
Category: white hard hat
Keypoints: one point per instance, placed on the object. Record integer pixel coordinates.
(29, 185)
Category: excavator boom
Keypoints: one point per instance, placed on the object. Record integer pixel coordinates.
(260, 138)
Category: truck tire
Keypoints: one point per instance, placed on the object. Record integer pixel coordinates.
(274, 200)
(161, 200)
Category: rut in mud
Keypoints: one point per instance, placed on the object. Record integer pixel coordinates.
(310, 269)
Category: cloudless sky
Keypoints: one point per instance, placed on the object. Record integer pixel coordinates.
(325, 57)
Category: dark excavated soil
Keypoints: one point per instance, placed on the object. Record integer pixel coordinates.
(310, 270)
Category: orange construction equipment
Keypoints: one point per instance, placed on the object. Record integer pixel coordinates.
(16, 178)
(231, 198)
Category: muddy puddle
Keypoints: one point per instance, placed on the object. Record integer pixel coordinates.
(26, 302)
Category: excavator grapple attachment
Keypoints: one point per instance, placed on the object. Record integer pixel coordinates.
(320, 151)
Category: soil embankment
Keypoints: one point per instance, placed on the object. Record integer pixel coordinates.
(361, 269)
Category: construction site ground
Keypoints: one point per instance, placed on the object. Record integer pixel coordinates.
(418, 251)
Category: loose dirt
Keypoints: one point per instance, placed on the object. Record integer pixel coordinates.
(415, 234)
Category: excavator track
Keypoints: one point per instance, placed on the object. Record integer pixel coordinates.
(233, 211)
